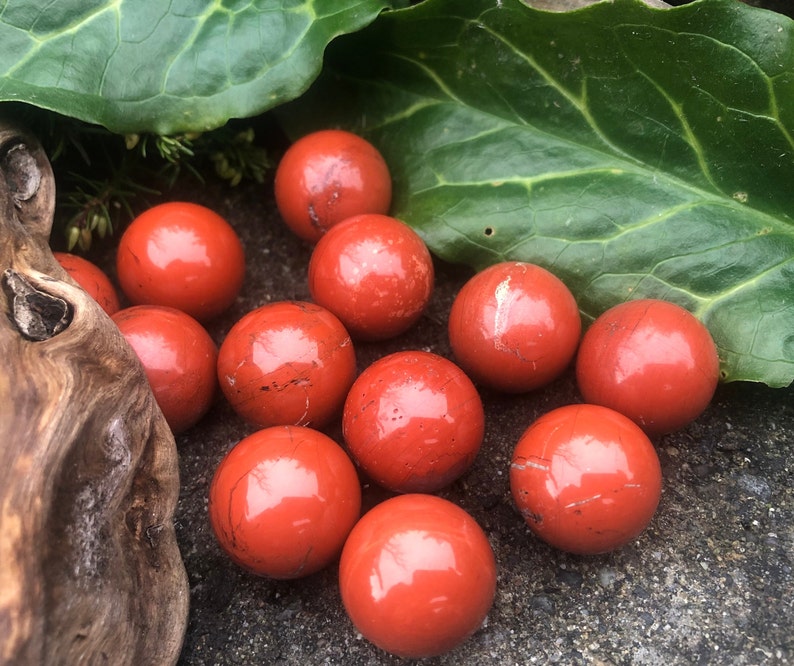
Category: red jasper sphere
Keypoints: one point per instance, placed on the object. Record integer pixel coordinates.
(514, 327)
(182, 255)
(417, 575)
(652, 361)
(283, 501)
(92, 279)
(179, 358)
(586, 479)
(373, 272)
(413, 421)
(328, 176)
(287, 363)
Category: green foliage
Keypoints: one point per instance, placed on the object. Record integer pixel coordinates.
(163, 75)
(633, 151)
(167, 67)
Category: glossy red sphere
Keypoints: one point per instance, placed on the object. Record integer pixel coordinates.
(92, 279)
(179, 358)
(328, 176)
(373, 272)
(586, 479)
(287, 363)
(652, 361)
(413, 421)
(417, 576)
(514, 327)
(283, 500)
(182, 255)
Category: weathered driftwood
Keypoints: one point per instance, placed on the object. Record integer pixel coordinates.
(90, 572)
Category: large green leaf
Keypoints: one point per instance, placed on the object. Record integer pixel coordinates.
(167, 67)
(634, 151)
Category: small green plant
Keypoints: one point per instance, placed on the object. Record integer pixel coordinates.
(97, 206)
(100, 173)
(240, 159)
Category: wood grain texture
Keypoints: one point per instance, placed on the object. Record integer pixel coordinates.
(91, 572)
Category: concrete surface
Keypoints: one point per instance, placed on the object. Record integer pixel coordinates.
(709, 582)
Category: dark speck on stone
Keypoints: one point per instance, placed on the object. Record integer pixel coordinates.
(755, 485)
(569, 577)
(542, 603)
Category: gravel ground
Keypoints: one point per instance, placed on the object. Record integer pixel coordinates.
(710, 580)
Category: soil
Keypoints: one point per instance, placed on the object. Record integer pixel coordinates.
(709, 581)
